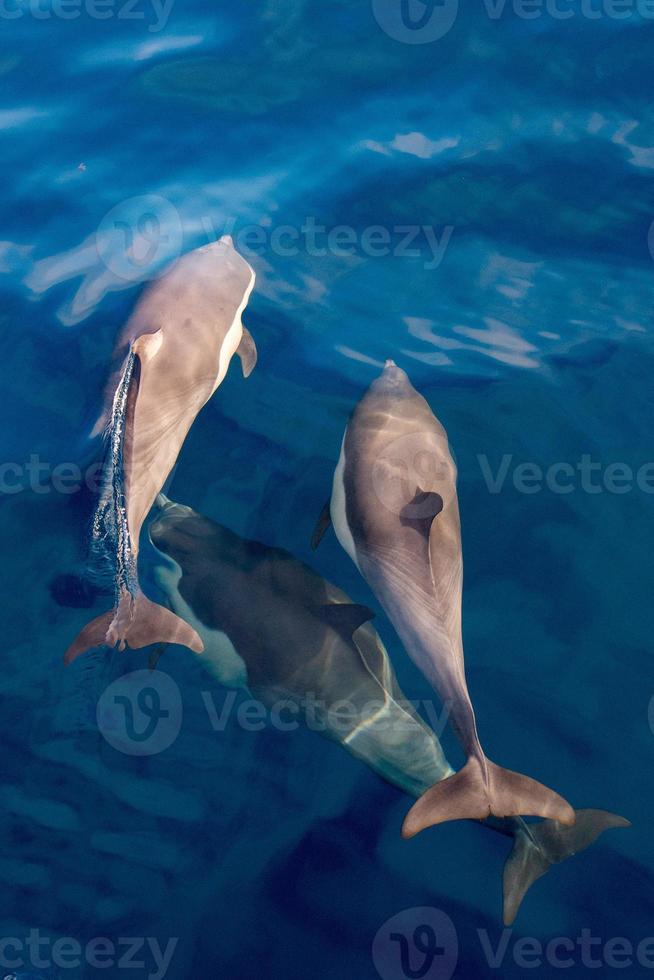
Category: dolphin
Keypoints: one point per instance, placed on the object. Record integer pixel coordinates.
(172, 355)
(272, 626)
(395, 512)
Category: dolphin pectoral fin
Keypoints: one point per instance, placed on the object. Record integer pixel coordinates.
(346, 617)
(322, 525)
(147, 345)
(473, 794)
(100, 426)
(537, 847)
(247, 351)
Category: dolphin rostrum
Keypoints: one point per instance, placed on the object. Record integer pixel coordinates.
(394, 509)
(272, 626)
(172, 355)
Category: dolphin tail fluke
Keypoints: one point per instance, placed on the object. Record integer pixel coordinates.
(152, 623)
(525, 864)
(136, 622)
(93, 635)
(537, 847)
(477, 792)
(513, 795)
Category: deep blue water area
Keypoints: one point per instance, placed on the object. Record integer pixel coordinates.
(477, 207)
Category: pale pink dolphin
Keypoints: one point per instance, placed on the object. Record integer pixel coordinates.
(394, 509)
(173, 354)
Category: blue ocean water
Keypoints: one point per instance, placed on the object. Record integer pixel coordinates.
(477, 207)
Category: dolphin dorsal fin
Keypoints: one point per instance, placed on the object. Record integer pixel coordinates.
(421, 512)
(346, 617)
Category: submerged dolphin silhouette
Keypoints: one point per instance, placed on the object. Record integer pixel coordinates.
(394, 509)
(271, 625)
(174, 352)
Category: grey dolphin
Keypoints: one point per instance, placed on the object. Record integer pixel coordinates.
(172, 355)
(394, 509)
(272, 626)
